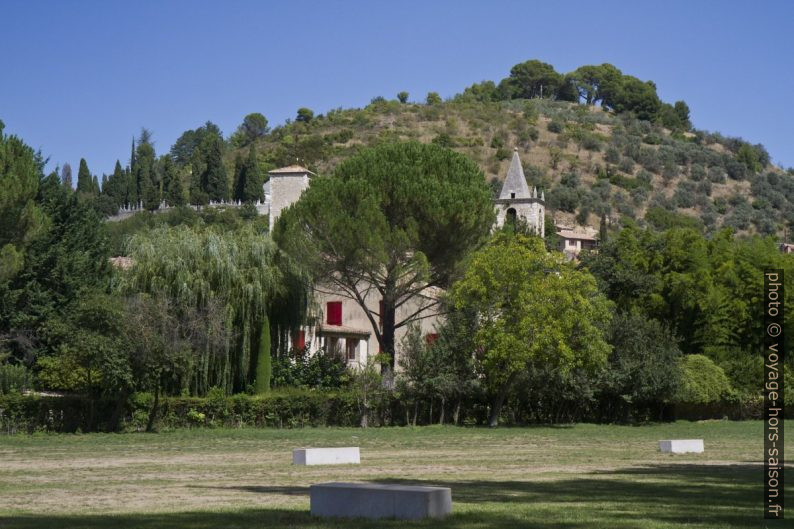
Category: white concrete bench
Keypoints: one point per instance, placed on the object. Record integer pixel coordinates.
(681, 446)
(373, 500)
(326, 456)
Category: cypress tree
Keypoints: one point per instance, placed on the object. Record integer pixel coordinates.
(116, 186)
(95, 185)
(264, 366)
(66, 176)
(214, 181)
(252, 187)
(85, 183)
(132, 187)
(239, 178)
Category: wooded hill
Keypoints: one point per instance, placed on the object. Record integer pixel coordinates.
(600, 143)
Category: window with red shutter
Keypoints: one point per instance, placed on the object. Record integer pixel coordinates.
(299, 340)
(334, 313)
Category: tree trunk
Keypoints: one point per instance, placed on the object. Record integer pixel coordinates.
(365, 417)
(114, 423)
(155, 408)
(456, 413)
(416, 411)
(441, 417)
(387, 333)
(430, 415)
(496, 409)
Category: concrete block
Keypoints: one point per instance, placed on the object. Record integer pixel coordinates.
(326, 456)
(373, 500)
(681, 446)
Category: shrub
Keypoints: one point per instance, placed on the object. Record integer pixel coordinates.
(14, 378)
(555, 126)
(702, 381)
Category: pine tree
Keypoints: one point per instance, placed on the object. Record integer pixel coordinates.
(214, 181)
(95, 185)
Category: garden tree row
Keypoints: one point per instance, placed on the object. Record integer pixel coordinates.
(396, 219)
(591, 84)
(708, 291)
(52, 251)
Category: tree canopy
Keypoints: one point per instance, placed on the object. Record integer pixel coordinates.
(397, 218)
(533, 308)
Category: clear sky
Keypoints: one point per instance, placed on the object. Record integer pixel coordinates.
(79, 79)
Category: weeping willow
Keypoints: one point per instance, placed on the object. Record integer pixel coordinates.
(198, 267)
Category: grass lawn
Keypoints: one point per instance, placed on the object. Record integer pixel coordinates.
(585, 476)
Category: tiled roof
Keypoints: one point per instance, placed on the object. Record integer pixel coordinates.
(570, 234)
(291, 169)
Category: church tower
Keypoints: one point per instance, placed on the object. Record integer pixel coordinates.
(517, 201)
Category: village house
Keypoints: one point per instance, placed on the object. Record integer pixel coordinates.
(339, 323)
(571, 241)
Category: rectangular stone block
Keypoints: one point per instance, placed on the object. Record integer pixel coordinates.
(681, 446)
(373, 500)
(326, 456)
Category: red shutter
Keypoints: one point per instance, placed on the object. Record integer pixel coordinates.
(299, 340)
(334, 313)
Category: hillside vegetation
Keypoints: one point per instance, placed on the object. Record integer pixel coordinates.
(589, 161)
(600, 143)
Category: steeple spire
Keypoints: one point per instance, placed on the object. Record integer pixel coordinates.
(515, 185)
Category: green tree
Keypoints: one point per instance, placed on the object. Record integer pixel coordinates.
(593, 83)
(201, 270)
(433, 98)
(214, 181)
(85, 182)
(643, 371)
(190, 140)
(248, 178)
(534, 79)
(532, 308)
(66, 176)
(305, 115)
(254, 126)
(21, 218)
(398, 218)
(264, 364)
(402, 97)
(173, 190)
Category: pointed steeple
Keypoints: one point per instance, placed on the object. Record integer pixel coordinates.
(515, 185)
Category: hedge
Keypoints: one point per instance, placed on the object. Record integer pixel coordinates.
(297, 409)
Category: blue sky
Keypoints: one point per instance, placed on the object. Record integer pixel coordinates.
(79, 79)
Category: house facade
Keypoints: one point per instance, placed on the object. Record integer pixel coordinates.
(571, 241)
